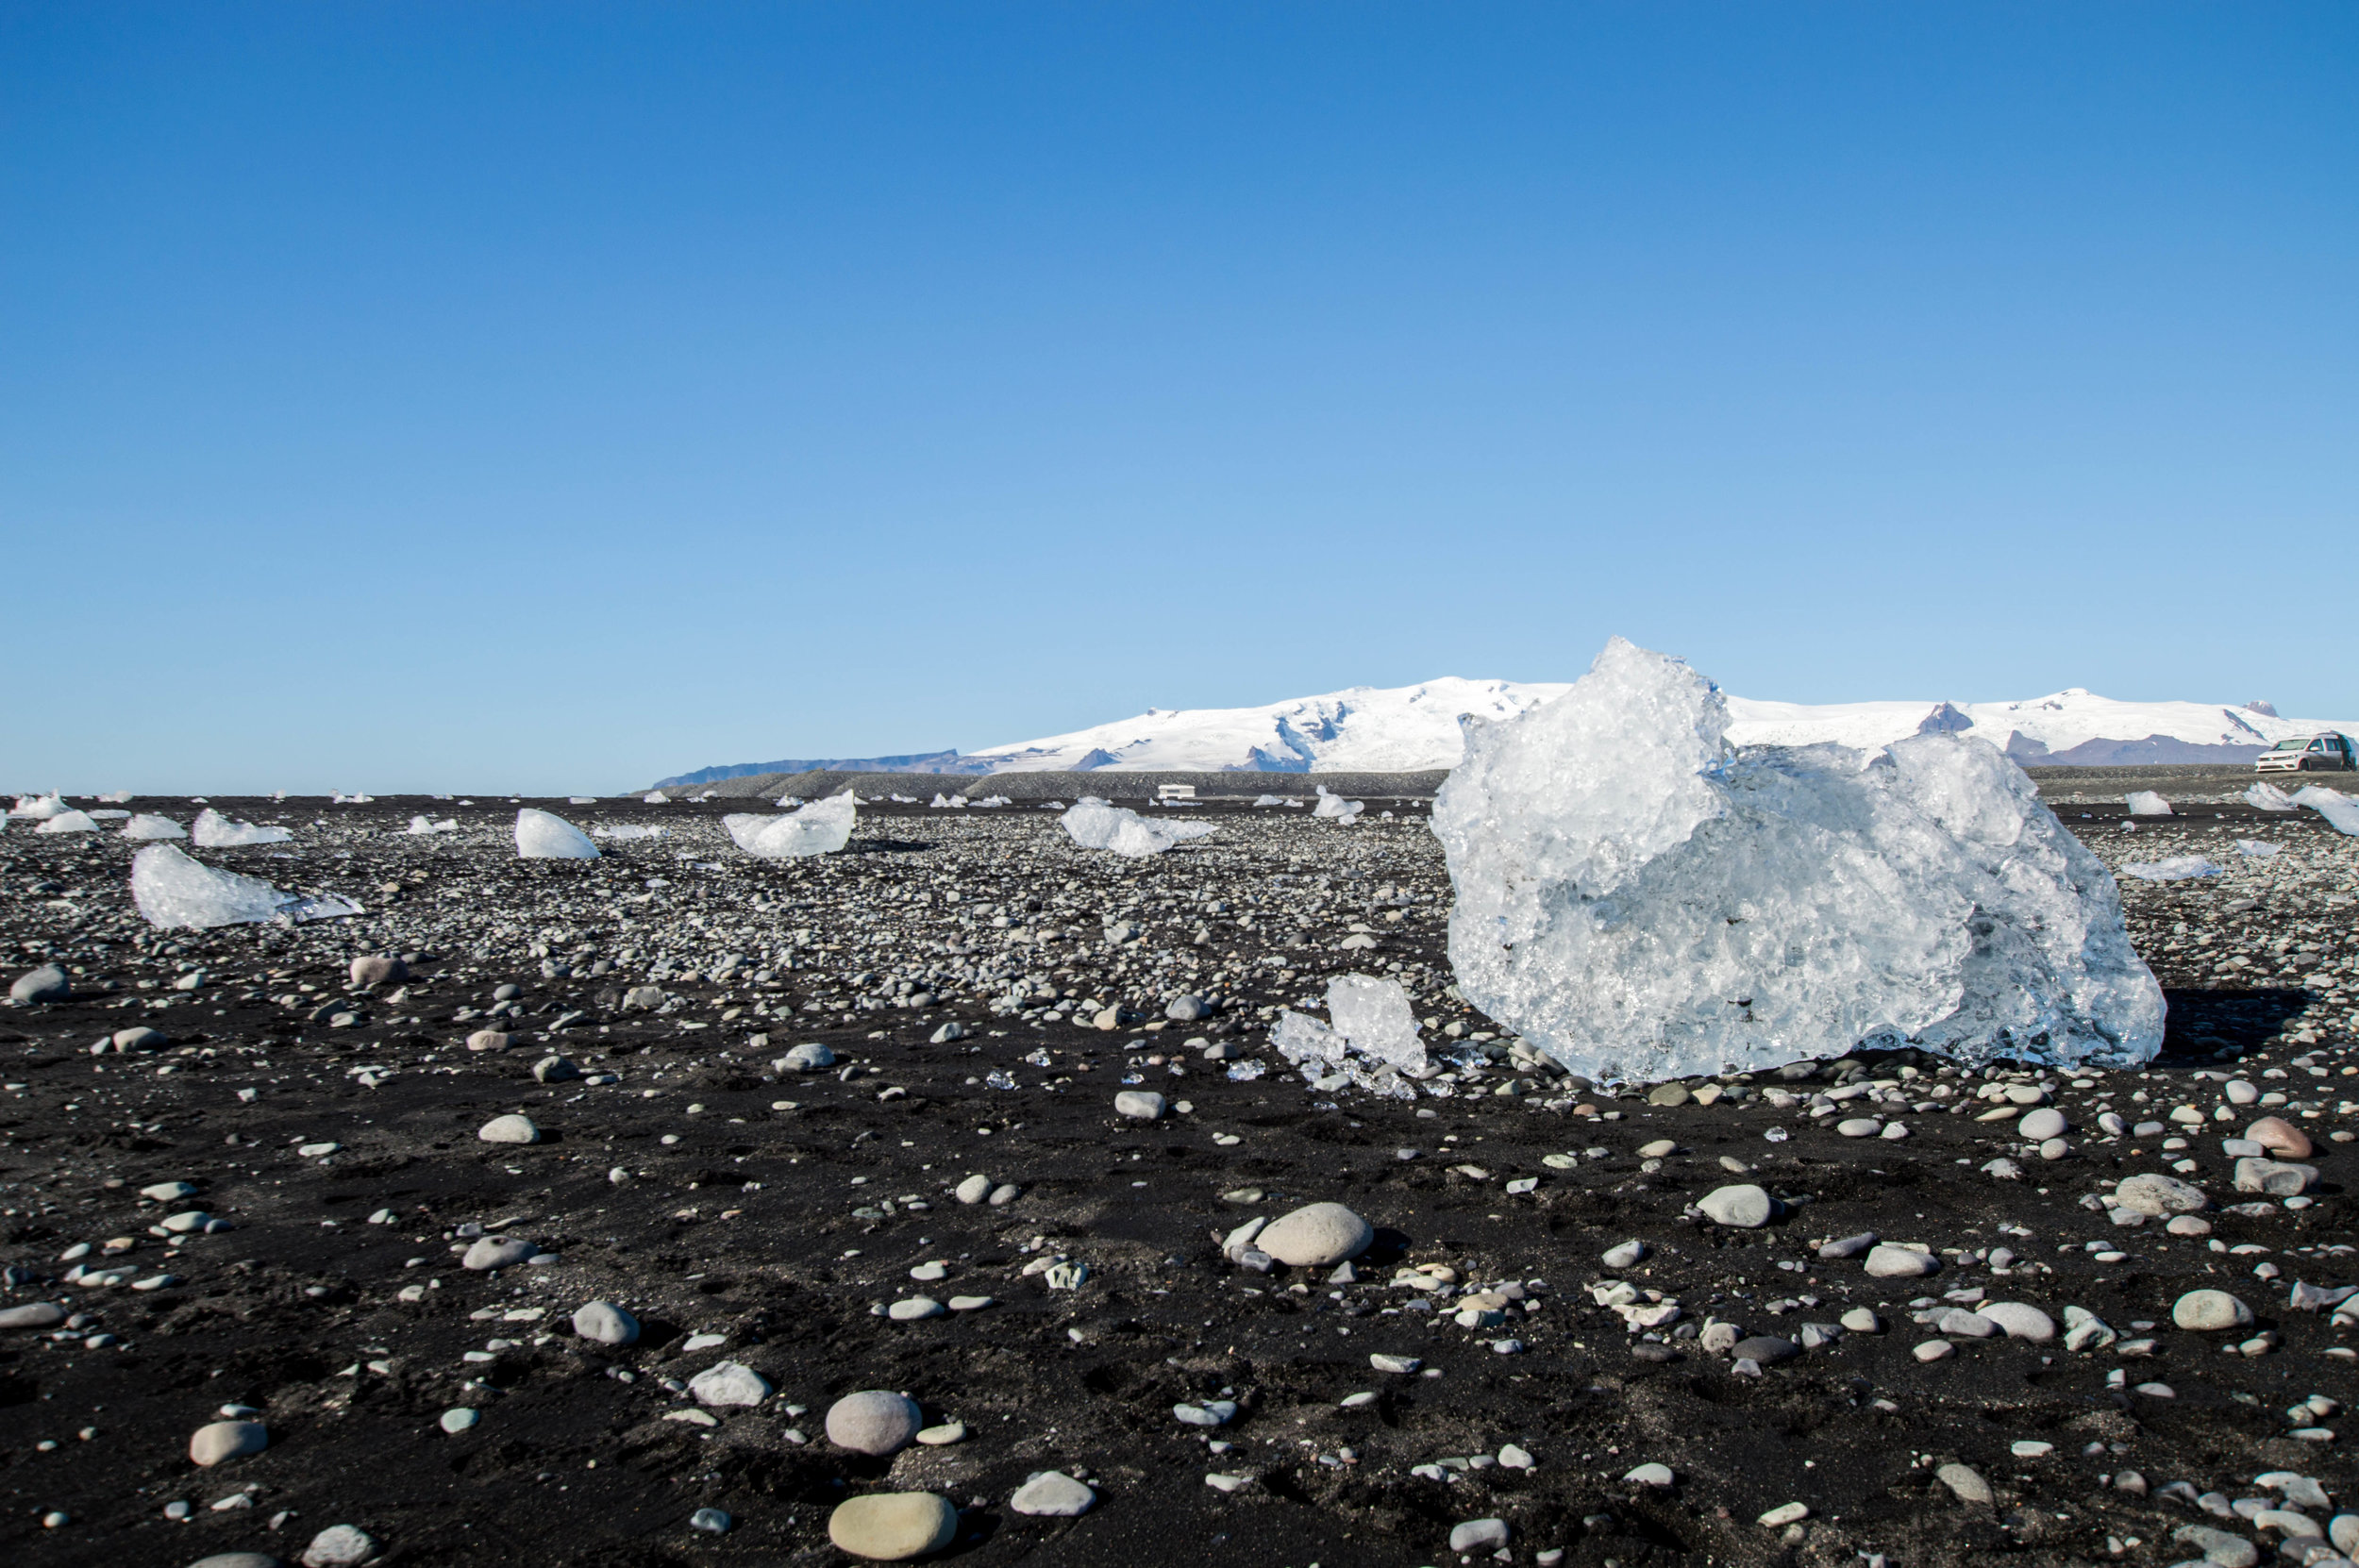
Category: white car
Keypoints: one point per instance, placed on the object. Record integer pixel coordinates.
(2329, 753)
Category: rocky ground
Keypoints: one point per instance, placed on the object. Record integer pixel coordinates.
(1731, 1394)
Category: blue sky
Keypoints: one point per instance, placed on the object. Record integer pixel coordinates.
(555, 396)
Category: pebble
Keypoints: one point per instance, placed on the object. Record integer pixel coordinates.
(497, 1252)
(1860, 1320)
(1891, 1263)
(1658, 1149)
(1859, 1127)
(1785, 1513)
(487, 1039)
(2019, 1319)
(1478, 1535)
(1317, 1236)
(811, 1057)
(1651, 1475)
(378, 969)
(1052, 1494)
(2203, 1311)
(338, 1546)
(458, 1418)
(47, 983)
(2218, 1546)
(914, 1309)
(970, 1303)
(1848, 1246)
(944, 1435)
(1765, 1349)
(510, 1128)
(140, 1039)
(33, 1314)
(2278, 1136)
(876, 1422)
(729, 1383)
(1623, 1256)
(894, 1527)
(975, 1188)
(2278, 1179)
(1142, 1105)
(1965, 1483)
(555, 1070)
(606, 1324)
(1934, 1350)
(1744, 1208)
(1399, 1365)
(713, 1520)
(237, 1559)
(228, 1439)
(2037, 1127)
(2158, 1194)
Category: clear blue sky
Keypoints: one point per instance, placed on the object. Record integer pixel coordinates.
(554, 396)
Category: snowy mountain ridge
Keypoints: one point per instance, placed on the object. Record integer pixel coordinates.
(1414, 728)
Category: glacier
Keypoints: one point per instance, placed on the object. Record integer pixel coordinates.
(821, 827)
(1642, 900)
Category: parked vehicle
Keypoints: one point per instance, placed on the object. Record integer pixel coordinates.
(2328, 753)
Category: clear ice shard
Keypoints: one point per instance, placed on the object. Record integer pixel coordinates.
(215, 831)
(821, 827)
(2340, 812)
(2268, 797)
(2146, 803)
(145, 827)
(546, 836)
(1337, 807)
(2174, 868)
(1094, 824)
(1642, 900)
(173, 891)
(39, 808)
(1372, 1020)
(69, 822)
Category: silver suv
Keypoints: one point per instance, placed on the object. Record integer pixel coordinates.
(2328, 753)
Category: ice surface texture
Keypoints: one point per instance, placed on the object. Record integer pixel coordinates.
(174, 891)
(215, 831)
(821, 827)
(2340, 812)
(546, 836)
(1642, 901)
(1095, 825)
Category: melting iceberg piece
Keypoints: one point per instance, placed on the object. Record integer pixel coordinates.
(145, 827)
(1094, 824)
(655, 798)
(69, 822)
(172, 892)
(821, 827)
(2257, 849)
(1374, 1018)
(2268, 797)
(39, 808)
(2175, 868)
(546, 836)
(1641, 900)
(1336, 809)
(422, 826)
(2340, 812)
(2146, 803)
(215, 831)
(627, 830)
(1301, 1038)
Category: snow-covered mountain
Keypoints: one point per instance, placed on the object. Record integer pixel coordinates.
(1410, 727)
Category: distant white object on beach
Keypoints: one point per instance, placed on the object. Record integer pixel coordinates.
(546, 836)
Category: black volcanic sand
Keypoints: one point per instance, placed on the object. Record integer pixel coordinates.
(780, 1213)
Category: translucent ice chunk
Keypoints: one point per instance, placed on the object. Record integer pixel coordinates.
(69, 822)
(821, 827)
(2175, 868)
(422, 826)
(2268, 797)
(947, 803)
(2340, 812)
(2257, 849)
(1373, 1016)
(655, 798)
(173, 891)
(215, 831)
(546, 836)
(39, 808)
(1337, 809)
(1269, 800)
(1301, 1038)
(632, 830)
(2146, 803)
(1094, 824)
(1642, 901)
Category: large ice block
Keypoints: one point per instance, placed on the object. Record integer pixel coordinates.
(1642, 900)
(546, 836)
(1094, 824)
(821, 827)
(173, 891)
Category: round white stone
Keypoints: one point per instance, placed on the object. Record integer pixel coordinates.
(510, 1128)
(1317, 1236)
(1139, 1104)
(606, 1323)
(876, 1422)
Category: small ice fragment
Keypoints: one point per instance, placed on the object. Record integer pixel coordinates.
(627, 830)
(39, 808)
(655, 798)
(145, 827)
(2146, 803)
(215, 831)
(423, 825)
(69, 822)
(546, 836)
(2268, 797)
(821, 827)
(1374, 1018)
(1301, 1038)
(2176, 868)
(2257, 849)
